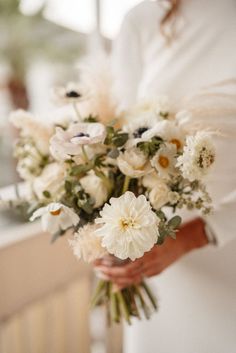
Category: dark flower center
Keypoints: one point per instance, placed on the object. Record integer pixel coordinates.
(138, 133)
(73, 94)
(82, 134)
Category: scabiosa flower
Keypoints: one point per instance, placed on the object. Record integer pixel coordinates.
(129, 227)
(55, 217)
(86, 244)
(198, 156)
(164, 161)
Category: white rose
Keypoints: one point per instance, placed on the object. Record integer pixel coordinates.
(95, 187)
(133, 163)
(52, 179)
(159, 196)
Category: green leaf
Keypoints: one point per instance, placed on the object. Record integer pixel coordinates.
(114, 153)
(46, 194)
(160, 214)
(120, 139)
(174, 222)
(80, 169)
(91, 119)
(68, 186)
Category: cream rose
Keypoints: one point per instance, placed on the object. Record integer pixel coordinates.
(159, 195)
(95, 187)
(133, 163)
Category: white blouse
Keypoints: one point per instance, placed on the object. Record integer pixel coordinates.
(197, 294)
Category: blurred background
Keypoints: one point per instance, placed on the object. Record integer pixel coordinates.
(45, 292)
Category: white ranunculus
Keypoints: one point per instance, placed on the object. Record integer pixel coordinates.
(198, 156)
(52, 179)
(133, 163)
(159, 195)
(33, 128)
(55, 217)
(164, 161)
(86, 244)
(169, 131)
(173, 197)
(95, 187)
(65, 144)
(129, 227)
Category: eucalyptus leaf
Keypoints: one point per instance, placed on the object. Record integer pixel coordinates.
(174, 222)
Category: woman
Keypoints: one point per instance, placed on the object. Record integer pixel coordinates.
(176, 48)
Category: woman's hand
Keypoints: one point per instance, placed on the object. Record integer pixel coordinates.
(190, 236)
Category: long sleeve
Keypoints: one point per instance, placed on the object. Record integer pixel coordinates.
(216, 111)
(127, 63)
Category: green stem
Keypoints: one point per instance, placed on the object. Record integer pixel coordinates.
(85, 154)
(99, 293)
(77, 112)
(126, 184)
(124, 306)
(142, 301)
(105, 180)
(150, 295)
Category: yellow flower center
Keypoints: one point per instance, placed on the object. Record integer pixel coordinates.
(177, 143)
(56, 212)
(126, 223)
(163, 161)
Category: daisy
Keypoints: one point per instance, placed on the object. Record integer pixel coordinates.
(55, 217)
(129, 227)
(164, 161)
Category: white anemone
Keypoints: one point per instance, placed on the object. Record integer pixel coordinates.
(129, 226)
(65, 144)
(71, 93)
(169, 131)
(55, 217)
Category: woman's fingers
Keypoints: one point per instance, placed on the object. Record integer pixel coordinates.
(121, 271)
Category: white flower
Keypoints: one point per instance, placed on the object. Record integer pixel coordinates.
(55, 217)
(86, 244)
(198, 156)
(173, 197)
(168, 131)
(30, 161)
(39, 132)
(158, 108)
(129, 226)
(65, 144)
(164, 161)
(133, 163)
(151, 180)
(95, 187)
(159, 195)
(71, 93)
(52, 179)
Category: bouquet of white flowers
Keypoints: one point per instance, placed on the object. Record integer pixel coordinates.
(111, 183)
